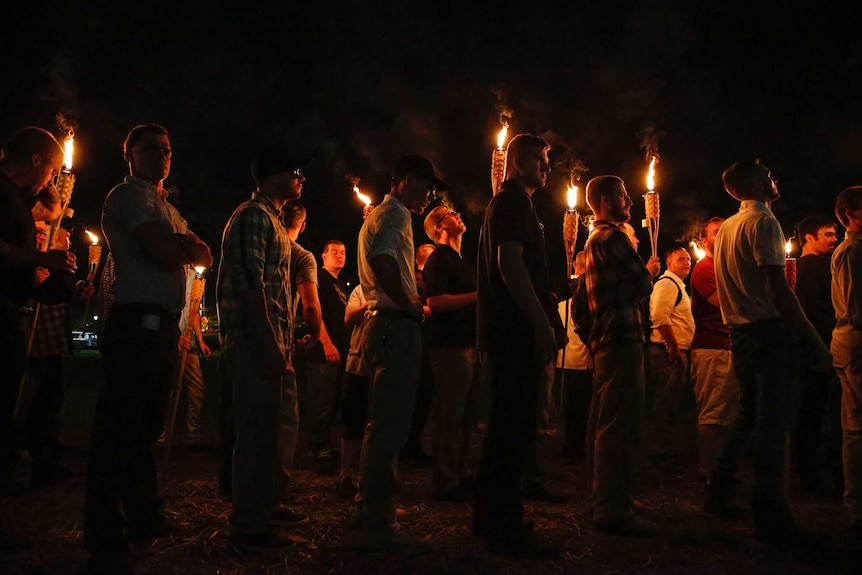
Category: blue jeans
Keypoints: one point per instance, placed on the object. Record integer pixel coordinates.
(763, 363)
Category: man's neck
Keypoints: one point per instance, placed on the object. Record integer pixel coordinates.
(453, 242)
(518, 181)
(809, 251)
(333, 271)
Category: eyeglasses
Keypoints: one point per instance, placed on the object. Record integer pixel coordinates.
(297, 173)
(446, 215)
(432, 191)
(827, 234)
(149, 149)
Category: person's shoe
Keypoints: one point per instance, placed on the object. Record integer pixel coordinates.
(719, 501)
(521, 546)
(324, 463)
(541, 493)
(389, 539)
(626, 525)
(284, 517)
(347, 487)
(457, 494)
(163, 527)
(415, 458)
(266, 542)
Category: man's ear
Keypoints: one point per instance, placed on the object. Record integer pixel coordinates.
(302, 227)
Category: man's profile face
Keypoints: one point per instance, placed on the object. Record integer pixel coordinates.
(534, 167)
(708, 241)
(150, 158)
(620, 205)
(824, 241)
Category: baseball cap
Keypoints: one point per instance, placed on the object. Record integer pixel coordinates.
(418, 166)
(276, 159)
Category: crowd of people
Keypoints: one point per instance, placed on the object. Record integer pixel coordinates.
(430, 339)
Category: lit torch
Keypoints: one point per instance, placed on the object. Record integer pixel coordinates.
(65, 183)
(365, 200)
(790, 265)
(651, 206)
(498, 160)
(196, 294)
(570, 227)
(699, 252)
(94, 257)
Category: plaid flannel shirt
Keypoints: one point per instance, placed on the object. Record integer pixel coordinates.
(617, 283)
(52, 331)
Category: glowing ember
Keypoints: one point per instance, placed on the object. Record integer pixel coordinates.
(362, 197)
(501, 137)
(94, 239)
(650, 179)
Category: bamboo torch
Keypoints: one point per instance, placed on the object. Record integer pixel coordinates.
(498, 160)
(570, 228)
(195, 297)
(651, 206)
(94, 257)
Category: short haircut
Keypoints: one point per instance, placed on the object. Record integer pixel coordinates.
(422, 253)
(602, 187)
(812, 225)
(433, 218)
(25, 142)
(293, 214)
(521, 145)
(707, 223)
(139, 131)
(673, 249)
(332, 243)
(849, 199)
(739, 177)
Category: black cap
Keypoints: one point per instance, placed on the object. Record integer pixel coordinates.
(418, 166)
(275, 159)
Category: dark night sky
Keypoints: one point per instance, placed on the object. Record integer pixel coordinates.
(360, 83)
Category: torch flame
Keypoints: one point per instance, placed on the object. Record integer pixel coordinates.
(650, 179)
(572, 197)
(788, 246)
(362, 197)
(200, 270)
(501, 137)
(69, 151)
(699, 252)
(94, 239)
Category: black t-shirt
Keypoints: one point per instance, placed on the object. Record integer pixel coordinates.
(446, 272)
(501, 325)
(18, 230)
(814, 290)
(333, 293)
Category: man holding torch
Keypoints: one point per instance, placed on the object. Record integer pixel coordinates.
(764, 317)
(30, 160)
(152, 247)
(617, 283)
(520, 331)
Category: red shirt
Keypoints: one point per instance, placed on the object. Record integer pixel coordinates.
(710, 331)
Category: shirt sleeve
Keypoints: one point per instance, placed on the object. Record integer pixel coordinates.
(387, 240)
(245, 247)
(356, 299)
(303, 266)
(702, 281)
(768, 243)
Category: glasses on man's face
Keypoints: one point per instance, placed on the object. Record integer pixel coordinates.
(155, 148)
(297, 173)
(446, 215)
(827, 234)
(432, 191)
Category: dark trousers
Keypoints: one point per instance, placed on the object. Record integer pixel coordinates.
(422, 406)
(41, 427)
(578, 386)
(13, 362)
(354, 406)
(818, 446)
(763, 363)
(140, 361)
(513, 379)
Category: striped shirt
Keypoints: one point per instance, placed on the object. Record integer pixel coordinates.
(617, 283)
(255, 256)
